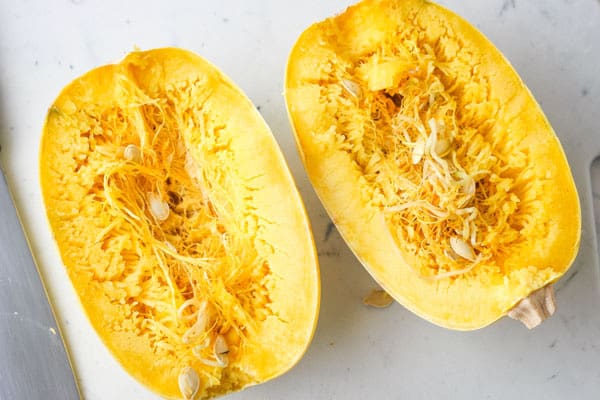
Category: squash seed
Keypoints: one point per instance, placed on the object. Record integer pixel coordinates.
(462, 248)
(378, 298)
(189, 383)
(442, 146)
(158, 207)
(133, 153)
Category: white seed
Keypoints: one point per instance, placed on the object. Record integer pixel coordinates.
(418, 151)
(462, 248)
(221, 350)
(442, 146)
(378, 298)
(189, 383)
(158, 208)
(132, 153)
(352, 87)
(221, 346)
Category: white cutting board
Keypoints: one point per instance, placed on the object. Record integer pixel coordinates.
(357, 353)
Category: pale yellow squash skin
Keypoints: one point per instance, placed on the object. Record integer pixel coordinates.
(268, 315)
(329, 79)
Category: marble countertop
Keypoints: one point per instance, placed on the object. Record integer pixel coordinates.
(357, 352)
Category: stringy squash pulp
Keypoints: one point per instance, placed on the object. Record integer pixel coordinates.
(179, 225)
(433, 159)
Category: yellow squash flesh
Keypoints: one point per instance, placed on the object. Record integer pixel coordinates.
(179, 224)
(433, 159)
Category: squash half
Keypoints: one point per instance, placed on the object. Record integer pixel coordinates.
(433, 159)
(179, 224)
